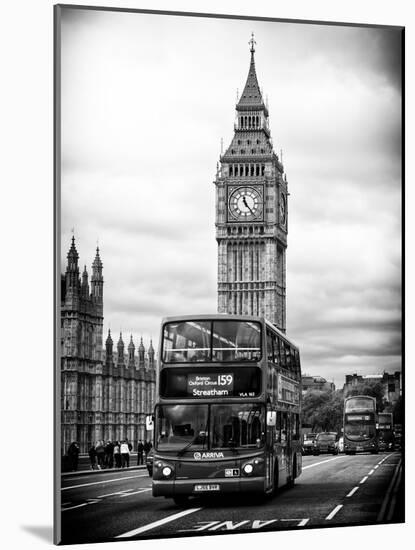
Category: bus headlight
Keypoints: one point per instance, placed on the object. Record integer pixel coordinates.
(166, 471)
(248, 469)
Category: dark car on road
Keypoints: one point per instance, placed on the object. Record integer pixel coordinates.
(149, 462)
(308, 443)
(326, 442)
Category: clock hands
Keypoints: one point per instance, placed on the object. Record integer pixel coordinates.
(247, 205)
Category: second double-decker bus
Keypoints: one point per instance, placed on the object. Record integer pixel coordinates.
(227, 417)
(359, 429)
(386, 437)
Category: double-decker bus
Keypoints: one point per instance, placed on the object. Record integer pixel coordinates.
(227, 417)
(386, 437)
(359, 429)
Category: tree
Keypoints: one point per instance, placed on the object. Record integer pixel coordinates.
(323, 410)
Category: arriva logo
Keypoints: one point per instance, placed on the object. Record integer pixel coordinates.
(199, 456)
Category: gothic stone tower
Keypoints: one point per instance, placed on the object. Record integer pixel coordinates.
(251, 214)
(104, 395)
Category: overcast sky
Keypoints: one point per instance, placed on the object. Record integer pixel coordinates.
(146, 100)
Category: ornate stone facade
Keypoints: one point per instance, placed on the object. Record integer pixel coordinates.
(104, 395)
(251, 214)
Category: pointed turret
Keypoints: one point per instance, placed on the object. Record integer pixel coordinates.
(131, 351)
(85, 284)
(120, 350)
(141, 353)
(109, 344)
(97, 280)
(151, 355)
(72, 283)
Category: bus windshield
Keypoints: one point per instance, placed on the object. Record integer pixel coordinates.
(211, 341)
(359, 430)
(203, 426)
(359, 404)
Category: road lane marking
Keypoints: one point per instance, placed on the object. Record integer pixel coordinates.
(352, 492)
(371, 472)
(135, 492)
(363, 480)
(155, 524)
(322, 462)
(73, 507)
(98, 482)
(376, 467)
(303, 522)
(334, 511)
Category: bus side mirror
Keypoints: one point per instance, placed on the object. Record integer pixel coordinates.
(149, 422)
(271, 418)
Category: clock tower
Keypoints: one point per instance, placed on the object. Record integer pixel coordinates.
(251, 214)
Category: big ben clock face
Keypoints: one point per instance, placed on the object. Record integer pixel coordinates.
(245, 204)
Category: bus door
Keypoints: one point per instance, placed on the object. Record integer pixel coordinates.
(269, 453)
(285, 444)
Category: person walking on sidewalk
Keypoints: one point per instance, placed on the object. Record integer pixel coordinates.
(117, 454)
(73, 454)
(93, 457)
(109, 454)
(125, 454)
(147, 447)
(140, 450)
(100, 450)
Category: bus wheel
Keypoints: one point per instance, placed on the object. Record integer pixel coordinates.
(181, 500)
(275, 484)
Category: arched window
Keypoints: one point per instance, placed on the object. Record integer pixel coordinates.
(257, 169)
(262, 170)
(231, 170)
(252, 169)
(246, 170)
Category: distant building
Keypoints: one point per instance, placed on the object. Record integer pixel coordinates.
(316, 383)
(104, 395)
(392, 384)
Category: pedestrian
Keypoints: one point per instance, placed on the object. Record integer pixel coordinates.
(140, 450)
(100, 450)
(147, 447)
(117, 455)
(73, 454)
(109, 454)
(125, 454)
(93, 457)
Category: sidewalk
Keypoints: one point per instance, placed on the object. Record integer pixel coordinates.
(103, 471)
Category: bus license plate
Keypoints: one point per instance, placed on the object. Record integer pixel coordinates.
(206, 487)
(359, 448)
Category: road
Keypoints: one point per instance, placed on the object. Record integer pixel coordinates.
(332, 490)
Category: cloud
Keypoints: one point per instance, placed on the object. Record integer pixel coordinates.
(142, 120)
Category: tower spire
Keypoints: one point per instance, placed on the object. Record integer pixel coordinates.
(252, 43)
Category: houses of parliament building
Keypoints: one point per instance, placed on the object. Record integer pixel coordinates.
(106, 394)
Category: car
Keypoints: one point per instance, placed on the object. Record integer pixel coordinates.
(326, 442)
(149, 462)
(308, 443)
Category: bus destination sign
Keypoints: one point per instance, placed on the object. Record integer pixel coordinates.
(210, 385)
(358, 417)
